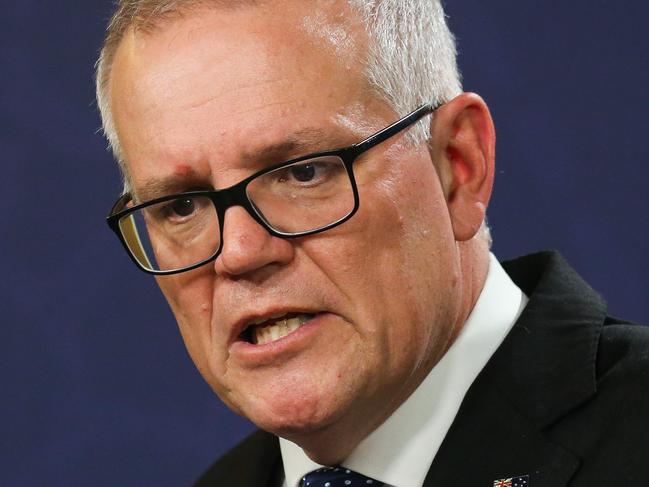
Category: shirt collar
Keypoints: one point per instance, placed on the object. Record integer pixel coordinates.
(401, 450)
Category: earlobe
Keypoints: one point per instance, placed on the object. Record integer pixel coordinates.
(464, 139)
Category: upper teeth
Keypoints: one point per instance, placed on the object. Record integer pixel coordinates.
(277, 330)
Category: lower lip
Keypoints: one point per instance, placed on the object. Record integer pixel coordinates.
(255, 354)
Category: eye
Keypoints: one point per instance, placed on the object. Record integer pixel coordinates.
(303, 172)
(182, 207)
(310, 173)
(181, 210)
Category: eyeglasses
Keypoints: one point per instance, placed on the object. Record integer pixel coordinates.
(303, 196)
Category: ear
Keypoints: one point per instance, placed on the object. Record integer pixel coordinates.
(463, 147)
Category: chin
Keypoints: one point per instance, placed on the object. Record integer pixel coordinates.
(291, 417)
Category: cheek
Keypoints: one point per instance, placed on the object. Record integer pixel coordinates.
(406, 220)
(190, 297)
(408, 247)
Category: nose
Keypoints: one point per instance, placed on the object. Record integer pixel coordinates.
(248, 247)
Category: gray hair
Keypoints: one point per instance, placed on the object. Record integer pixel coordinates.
(411, 61)
(412, 55)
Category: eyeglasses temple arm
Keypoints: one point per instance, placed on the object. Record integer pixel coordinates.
(393, 129)
(120, 204)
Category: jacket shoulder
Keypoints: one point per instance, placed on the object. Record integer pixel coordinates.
(609, 432)
(623, 355)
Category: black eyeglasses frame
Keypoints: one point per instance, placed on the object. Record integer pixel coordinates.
(236, 195)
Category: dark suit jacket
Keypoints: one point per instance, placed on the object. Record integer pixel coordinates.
(565, 399)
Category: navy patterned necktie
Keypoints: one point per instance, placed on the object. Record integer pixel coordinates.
(337, 477)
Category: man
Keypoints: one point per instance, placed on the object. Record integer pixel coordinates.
(309, 184)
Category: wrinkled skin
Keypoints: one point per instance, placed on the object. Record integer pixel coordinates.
(205, 100)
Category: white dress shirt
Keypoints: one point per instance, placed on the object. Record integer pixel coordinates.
(401, 450)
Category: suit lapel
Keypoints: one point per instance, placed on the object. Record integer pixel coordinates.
(544, 369)
(490, 440)
(262, 465)
(256, 462)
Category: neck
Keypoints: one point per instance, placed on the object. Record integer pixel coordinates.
(474, 266)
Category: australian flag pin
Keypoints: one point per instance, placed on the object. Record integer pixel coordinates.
(520, 481)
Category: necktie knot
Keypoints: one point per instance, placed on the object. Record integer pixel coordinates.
(337, 477)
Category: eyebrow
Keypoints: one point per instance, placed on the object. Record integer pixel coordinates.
(172, 184)
(302, 142)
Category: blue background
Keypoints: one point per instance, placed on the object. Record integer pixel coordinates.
(97, 388)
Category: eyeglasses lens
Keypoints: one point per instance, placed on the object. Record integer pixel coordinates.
(173, 234)
(305, 196)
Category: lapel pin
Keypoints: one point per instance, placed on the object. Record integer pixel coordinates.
(520, 481)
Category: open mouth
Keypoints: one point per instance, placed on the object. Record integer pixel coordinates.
(270, 330)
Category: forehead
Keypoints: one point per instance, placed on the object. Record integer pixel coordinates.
(215, 78)
(312, 30)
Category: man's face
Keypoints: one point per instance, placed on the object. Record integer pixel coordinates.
(206, 100)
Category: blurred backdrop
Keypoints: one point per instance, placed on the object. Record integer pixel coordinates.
(97, 388)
